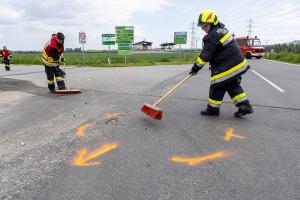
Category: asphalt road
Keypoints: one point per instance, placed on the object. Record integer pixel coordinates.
(42, 134)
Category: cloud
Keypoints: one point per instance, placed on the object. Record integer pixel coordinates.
(71, 16)
(76, 12)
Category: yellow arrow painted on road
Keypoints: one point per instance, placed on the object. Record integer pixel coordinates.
(229, 134)
(82, 158)
(80, 132)
(198, 160)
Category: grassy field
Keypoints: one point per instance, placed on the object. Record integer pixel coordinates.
(99, 59)
(285, 57)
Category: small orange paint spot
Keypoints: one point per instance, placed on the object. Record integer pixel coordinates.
(229, 134)
(82, 158)
(198, 160)
(110, 115)
(80, 132)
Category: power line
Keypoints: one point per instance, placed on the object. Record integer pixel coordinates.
(276, 14)
(251, 13)
(239, 8)
(241, 12)
(237, 16)
(265, 25)
(280, 20)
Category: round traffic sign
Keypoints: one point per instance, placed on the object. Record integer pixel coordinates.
(82, 37)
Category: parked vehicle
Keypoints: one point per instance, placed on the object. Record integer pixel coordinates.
(251, 47)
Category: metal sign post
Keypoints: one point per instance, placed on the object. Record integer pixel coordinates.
(82, 40)
(180, 54)
(108, 39)
(83, 54)
(108, 59)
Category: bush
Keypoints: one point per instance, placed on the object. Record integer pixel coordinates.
(285, 57)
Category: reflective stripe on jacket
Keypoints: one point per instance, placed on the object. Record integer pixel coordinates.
(224, 55)
(50, 47)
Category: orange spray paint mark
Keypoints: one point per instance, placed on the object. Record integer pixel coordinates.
(229, 134)
(82, 158)
(110, 115)
(198, 160)
(80, 132)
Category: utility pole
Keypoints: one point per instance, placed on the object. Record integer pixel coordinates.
(193, 35)
(197, 39)
(267, 42)
(250, 29)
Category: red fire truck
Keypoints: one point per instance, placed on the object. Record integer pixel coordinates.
(251, 47)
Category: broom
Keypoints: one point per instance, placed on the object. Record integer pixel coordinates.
(155, 112)
(67, 91)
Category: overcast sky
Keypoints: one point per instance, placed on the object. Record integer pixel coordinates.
(28, 24)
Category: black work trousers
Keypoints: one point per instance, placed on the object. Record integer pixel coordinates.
(235, 91)
(6, 63)
(56, 72)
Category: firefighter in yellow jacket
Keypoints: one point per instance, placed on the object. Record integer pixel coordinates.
(52, 55)
(227, 66)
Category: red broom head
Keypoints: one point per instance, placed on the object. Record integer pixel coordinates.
(152, 111)
(65, 92)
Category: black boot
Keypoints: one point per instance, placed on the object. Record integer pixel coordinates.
(61, 85)
(210, 111)
(7, 68)
(52, 91)
(244, 109)
(51, 88)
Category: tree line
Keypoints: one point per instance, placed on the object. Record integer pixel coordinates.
(283, 48)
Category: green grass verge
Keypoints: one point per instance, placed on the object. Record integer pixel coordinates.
(99, 59)
(285, 57)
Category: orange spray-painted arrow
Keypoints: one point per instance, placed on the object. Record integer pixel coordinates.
(198, 160)
(83, 157)
(81, 130)
(229, 134)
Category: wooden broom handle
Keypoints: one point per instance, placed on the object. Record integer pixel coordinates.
(174, 88)
(66, 77)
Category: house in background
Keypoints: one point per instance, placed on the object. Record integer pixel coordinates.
(167, 46)
(142, 46)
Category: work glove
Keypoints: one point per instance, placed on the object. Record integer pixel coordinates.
(195, 68)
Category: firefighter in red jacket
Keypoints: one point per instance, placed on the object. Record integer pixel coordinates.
(52, 55)
(6, 56)
(227, 66)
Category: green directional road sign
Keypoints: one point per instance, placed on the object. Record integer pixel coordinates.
(108, 39)
(125, 33)
(180, 37)
(124, 38)
(124, 49)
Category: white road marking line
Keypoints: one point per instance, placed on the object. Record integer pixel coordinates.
(268, 81)
(282, 62)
